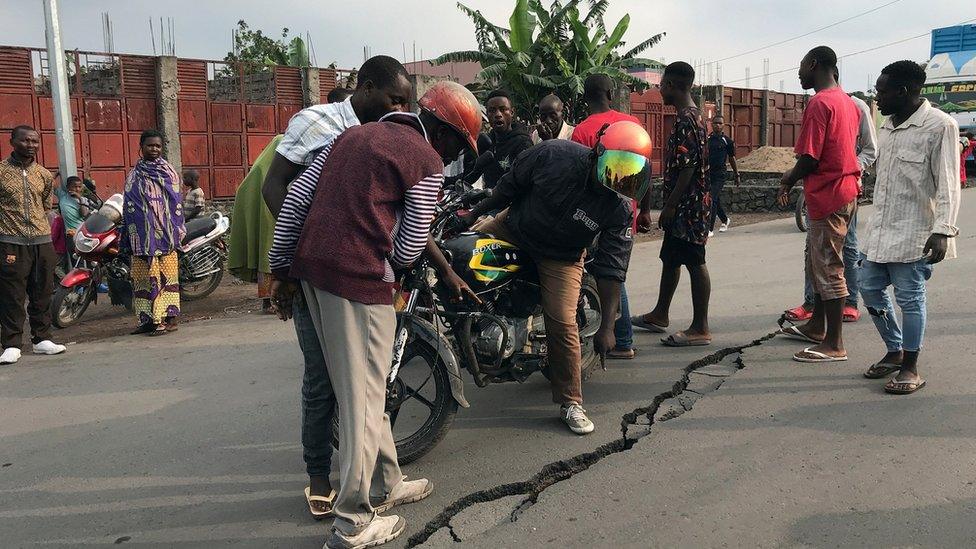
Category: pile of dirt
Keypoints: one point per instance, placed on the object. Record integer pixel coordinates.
(768, 159)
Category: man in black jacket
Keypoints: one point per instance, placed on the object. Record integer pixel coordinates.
(508, 140)
(560, 196)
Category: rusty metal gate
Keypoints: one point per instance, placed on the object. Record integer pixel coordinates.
(112, 98)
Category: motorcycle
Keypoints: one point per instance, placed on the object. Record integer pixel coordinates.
(202, 254)
(501, 340)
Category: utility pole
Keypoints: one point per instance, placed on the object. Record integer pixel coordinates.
(58, 72)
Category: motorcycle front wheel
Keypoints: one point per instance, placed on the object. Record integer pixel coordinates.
(420, 403)
(199, 289)
(68, 304)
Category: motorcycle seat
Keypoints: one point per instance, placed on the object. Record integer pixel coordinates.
(198, 227)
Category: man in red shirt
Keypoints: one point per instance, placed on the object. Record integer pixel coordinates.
(598, 93)
(827, 164)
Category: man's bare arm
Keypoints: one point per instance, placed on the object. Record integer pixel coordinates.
(281, 173)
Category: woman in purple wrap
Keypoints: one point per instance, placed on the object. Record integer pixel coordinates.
(153, 222)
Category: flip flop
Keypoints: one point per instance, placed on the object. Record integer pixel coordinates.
(681, 339)
(793, 332)
(896, 387)
(160, 330)
(323, 501)
(639, 322)
(620, 354)
(881, 369)
(818, 357)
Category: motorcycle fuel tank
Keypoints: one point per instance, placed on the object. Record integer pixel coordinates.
(484, 261)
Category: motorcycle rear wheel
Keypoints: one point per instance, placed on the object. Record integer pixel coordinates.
(424, 383)
(800, 213)
(69, 304)
(200, 289)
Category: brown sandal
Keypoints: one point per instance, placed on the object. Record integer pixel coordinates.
(896, 387)
(622, 354)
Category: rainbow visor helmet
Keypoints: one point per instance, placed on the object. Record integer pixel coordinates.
(623, 159)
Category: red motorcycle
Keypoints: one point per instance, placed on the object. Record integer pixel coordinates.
(99, 260)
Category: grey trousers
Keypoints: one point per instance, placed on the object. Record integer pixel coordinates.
(357, 341)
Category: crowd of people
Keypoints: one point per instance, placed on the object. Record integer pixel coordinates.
(332, 208)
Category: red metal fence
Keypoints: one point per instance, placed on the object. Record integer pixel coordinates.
(227, 114)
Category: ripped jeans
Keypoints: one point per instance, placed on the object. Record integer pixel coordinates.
(908, 280)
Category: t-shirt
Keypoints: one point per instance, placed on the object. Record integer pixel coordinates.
(585, 132)
(829, 134)
(686, 149)
(70, 208)
(720, 148)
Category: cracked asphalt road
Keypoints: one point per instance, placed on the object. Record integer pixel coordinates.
(192, 441)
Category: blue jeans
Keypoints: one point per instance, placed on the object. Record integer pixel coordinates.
(908, 280)
(318, 399)
(623, 330)
(851, 257)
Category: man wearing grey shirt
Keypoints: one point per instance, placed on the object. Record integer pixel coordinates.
(866, 154)
(913, 225)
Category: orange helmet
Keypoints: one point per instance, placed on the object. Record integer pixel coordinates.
(623, 163)
(457, 107)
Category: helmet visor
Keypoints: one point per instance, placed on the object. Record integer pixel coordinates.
(626, 172)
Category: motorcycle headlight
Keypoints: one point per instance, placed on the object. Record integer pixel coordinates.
(84, 244)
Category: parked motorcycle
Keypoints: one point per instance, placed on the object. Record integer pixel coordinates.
(202, 254)
(501, 340)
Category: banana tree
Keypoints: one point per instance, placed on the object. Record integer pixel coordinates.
(551, 51)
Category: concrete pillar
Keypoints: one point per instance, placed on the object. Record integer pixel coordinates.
(420, 83)
(168, 111)
(764, 119)
(311, 87)
(621, 98)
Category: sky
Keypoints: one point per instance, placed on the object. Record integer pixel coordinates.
(698, 31)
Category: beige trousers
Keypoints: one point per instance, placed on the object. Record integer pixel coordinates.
(357, 341)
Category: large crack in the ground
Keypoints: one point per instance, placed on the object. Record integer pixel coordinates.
(634, 426)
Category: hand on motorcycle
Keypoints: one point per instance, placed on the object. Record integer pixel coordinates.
(282, 296)
(458, 288)
(604, 340)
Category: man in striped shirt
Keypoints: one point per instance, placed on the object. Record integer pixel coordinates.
(366, 204)
(914, 222)
(382, 87)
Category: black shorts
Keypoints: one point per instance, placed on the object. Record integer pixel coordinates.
(676, 252)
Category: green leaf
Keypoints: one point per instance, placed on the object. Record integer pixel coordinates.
(644, 45)
(597, 9)
(460, 57)
(297, 53)
(539, 81)
(522, 24)
(613, 40)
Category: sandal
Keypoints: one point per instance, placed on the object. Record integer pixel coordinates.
(814, 357)
(881, 369)
(896, 387)
(639, 322)
(681, 339)
(622, 354)
(172, 325)
(793, 332)
(320, 506)
(159, 330)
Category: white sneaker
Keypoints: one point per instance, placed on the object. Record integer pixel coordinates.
(711, 234)
(10, 355)
(725, 226)
(408, 491)
(48, 347)
(379, 531)
(574, 416)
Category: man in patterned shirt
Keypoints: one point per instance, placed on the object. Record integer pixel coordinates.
(686, 213)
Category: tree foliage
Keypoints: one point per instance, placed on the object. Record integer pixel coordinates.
(256, 50)
(552, 50)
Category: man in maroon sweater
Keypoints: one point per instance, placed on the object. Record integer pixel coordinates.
(375, 177)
